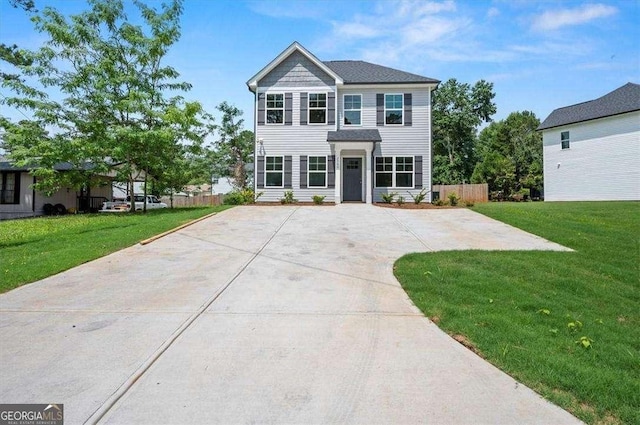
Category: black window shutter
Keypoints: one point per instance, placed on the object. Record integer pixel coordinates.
(380, 109)
(331, 108)
(408, 116)
(331, 171)
(303, 108)
(260, 173)
(287, 172)
(303, 171)
(417, 167)
(288, 106)
(260, 108)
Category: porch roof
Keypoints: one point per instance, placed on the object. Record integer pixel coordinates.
(359, 135)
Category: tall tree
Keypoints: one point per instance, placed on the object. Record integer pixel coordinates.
(458, 111)
(234, 148)
(511, 154)
(111, 77)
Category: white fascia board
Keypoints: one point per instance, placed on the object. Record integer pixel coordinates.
(253, 81)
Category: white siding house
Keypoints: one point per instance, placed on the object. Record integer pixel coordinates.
(18, 199)
(347, 130)
(592, 150)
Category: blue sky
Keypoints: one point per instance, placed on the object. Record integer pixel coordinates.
(540, 55)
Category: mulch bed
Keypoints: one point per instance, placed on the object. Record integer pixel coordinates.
(414, 206)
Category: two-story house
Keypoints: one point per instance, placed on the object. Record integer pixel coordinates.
(346, 130)
(591, 151)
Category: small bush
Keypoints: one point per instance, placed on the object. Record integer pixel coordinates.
(420, 196)
(468, 204)
(234, 198)
(288, 197)
(318, 199)
(241, 197)
(438, 202)
(453, 199)
(387, 198)
(400, 200)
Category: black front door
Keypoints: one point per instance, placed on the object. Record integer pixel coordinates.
(352, 180)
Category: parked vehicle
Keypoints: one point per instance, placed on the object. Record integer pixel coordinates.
(120, 206)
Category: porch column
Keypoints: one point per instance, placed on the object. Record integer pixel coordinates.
(338, 181)
(368, 186)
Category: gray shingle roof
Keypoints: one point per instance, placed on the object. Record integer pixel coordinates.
(6, 165)
(369, 135)
(621, 100)
(360, 72)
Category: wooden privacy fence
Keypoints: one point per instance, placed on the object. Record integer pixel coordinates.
(194, 201)
(466, 192)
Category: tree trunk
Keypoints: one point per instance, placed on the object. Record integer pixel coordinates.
(144, 205)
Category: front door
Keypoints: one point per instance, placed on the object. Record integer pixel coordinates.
(352, 181)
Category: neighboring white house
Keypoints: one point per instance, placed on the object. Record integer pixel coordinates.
(18, 199)
(221, 185)
(592, 149)
(347, 130)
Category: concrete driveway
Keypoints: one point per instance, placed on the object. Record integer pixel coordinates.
(276, 315)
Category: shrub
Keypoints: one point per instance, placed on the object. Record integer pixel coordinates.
(387, 198)
(453, 199)
(400, 200)
(234, 198)
(468, 204)
(420, 196)
(438, 202)
(318, 199)
(288, 197)
(241, 197)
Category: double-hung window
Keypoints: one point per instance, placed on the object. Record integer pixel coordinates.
(393, 108)
(274, 171)
(317, 108)
(352, 108)
(394, 171)
(10, 188)
(275, 108)
(384, 171)
(564, 139)
(317, 173)
(404, 171)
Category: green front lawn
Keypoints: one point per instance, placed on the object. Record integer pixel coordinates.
(32, 249)
(567, 324)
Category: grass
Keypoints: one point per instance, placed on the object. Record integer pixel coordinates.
(526, 312)
(32, 249)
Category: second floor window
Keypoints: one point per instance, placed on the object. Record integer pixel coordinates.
(275, 109)
(564, 139)
(352, 109)
(317, 108)
(393, 104)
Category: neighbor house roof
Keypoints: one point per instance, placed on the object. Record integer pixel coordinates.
(6, 165)
(369, 135)
(361, 72)
(622, 100)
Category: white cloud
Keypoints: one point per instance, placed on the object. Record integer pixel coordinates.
(355, 30)
(555, 19)
(493, 12)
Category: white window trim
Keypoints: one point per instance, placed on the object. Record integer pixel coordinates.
(266, 109)
(326, 109)
(385, 109)
(568, 140)
(394, 172)
(360, 110)
(326, 172)
(270, 171)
